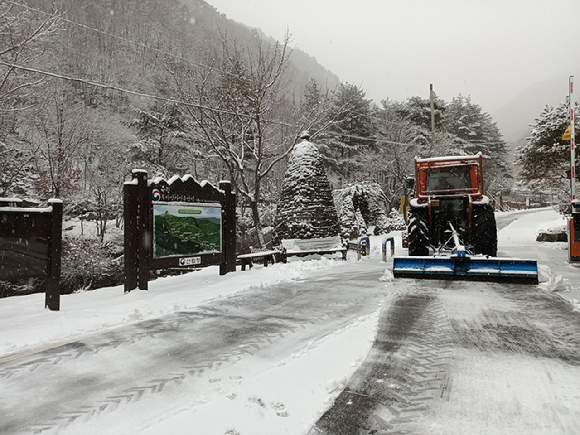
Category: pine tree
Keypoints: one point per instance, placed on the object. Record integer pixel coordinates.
(350, 131)
(478, 133)
(545, 158)
(418, 111)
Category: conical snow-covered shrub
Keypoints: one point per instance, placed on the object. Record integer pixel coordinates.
(306, 208)
(367, 200)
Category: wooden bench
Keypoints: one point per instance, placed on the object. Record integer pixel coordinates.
(272, 256)
(321, 246)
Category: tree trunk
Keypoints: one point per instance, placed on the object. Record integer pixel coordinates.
(257, 223)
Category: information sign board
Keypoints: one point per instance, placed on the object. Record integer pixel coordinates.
(186, 229)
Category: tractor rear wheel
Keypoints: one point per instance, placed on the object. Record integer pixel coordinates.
(418, 232)
(484, 231)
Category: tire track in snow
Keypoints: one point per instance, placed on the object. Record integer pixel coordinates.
(404, 372)
(515, 366)
(522, 320)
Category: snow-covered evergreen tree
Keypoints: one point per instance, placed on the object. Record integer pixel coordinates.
(545, 158)
(360, 222)
(396, 220)
(418, 111)
(478, 133)
(352, 223)
(349, 133)
(306, 208)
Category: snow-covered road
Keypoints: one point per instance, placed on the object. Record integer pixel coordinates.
(150, 368)
(316, 347)
(457, 358)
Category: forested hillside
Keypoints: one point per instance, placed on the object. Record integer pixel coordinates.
(90, 90)
(107, 66)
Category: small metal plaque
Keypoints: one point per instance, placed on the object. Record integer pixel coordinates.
(189, 261)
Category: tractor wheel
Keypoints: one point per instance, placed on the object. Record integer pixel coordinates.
(417, 232)
(484, 231)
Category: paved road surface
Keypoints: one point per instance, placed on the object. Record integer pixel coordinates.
(450, 357)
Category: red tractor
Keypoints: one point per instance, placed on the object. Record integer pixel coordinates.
(449, 196)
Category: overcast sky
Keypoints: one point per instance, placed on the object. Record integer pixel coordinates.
(487, 49)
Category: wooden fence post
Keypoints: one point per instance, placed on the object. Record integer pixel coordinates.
(52, 293)
(144, 229)
(131, 235)
(229, 229)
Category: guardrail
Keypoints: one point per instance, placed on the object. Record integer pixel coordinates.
(385, 242)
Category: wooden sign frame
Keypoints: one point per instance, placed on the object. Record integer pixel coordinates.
(140, 198)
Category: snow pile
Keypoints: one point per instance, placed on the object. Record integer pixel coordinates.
(551, 281)
(518, 239)
(387, 276)
(557, 225)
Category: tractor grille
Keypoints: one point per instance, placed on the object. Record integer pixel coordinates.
(454, 211)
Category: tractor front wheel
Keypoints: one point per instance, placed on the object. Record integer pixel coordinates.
(484, 231)
(418, 232)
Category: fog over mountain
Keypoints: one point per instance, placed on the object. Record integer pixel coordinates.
(515, 117)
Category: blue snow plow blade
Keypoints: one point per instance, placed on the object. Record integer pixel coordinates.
(467, 268)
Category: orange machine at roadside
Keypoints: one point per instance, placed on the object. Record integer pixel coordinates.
(574, 233)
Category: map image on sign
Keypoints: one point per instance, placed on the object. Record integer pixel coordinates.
(186, 229)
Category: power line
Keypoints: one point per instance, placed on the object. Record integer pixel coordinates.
(114, 88)
(185, 103)
(131, 92)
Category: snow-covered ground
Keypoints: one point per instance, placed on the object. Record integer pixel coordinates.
(322, 368)
(518, 239)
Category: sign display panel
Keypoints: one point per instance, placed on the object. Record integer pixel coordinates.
(23, 257)
(185, 229)
(24, 249)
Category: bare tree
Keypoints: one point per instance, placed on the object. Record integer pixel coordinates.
(236, 109)
(59, 128)
(398, 141)
(21, 36)
(104, 167)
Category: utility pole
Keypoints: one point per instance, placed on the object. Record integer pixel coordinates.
(574, 221)
(432, 98)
